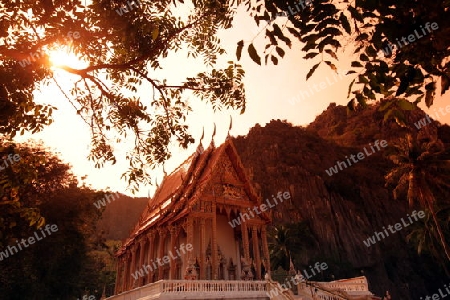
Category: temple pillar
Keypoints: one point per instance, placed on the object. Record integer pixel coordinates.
(119, 275)
(190, 273)
(214, 262)
(125, 272)
(133, 266)
(162, 241)
(245, 242)
(173, 240)
(202, 249)
(246, 273)
(265, 248)
(141, 260)
(256, 252)
(190, 234)
(151, 254)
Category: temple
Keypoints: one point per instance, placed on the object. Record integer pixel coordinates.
(199, 225)
(202, 236)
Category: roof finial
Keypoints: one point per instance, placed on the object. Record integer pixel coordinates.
(200, 146)
(164, 171)
(213, 134)
(231, 126)
(203, 134)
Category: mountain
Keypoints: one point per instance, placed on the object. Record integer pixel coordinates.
(343, 210)
(120, 216)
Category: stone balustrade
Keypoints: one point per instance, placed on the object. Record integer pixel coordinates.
(348, 286)
(174, 286)
(197, 289)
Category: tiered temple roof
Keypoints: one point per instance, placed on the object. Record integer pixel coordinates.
(179, 190)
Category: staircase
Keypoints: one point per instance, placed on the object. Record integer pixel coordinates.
(276, 292)
(313, 291)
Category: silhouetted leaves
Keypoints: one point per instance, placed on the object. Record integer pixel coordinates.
(253, 54)
(377, 29)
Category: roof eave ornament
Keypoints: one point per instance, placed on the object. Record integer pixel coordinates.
(213, 135)
(164, 171)
(229, 129)
(200, 148)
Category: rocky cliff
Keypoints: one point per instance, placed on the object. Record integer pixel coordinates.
(344, 209)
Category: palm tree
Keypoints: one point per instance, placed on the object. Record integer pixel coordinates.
(421, 166)
(423, 235)
(286, 242)
(279, 250)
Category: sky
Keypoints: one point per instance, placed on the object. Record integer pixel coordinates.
(273, 92)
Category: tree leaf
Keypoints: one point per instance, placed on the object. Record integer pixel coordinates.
(253, 54)
(363, 57)
(385, 105)
(310, 55)
(345, 23)
(429, 95)
(370, 51)
(405, 104)
(280, 51)
(312, 71)
(274, 60)
(362, 79)
(355, 14)
(331, 53)
(240, 45)
(332, 66)
(361, 100)
(445, 83)
(351, 105)
(350, 87)
(356, 64)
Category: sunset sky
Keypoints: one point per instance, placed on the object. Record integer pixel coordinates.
(270, 93)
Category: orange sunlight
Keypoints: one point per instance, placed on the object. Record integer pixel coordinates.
(63, 56)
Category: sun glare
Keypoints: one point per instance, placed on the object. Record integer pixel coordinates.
(62, 56)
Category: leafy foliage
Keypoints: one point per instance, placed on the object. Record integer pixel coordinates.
(21, 183)
(122, 48)
(70, 260)
(411, 69)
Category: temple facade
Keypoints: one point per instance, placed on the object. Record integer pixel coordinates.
(199, 225)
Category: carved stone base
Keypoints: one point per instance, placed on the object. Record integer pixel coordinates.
(191, 272)
(246, 273)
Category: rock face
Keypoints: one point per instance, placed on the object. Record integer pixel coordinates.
(344, 209)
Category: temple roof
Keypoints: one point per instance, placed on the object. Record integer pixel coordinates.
(174, 198)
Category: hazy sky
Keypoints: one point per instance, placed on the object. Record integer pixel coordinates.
(271, 92)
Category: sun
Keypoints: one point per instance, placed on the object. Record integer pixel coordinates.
(63, 57)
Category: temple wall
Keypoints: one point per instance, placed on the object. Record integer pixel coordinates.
(226, 240)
